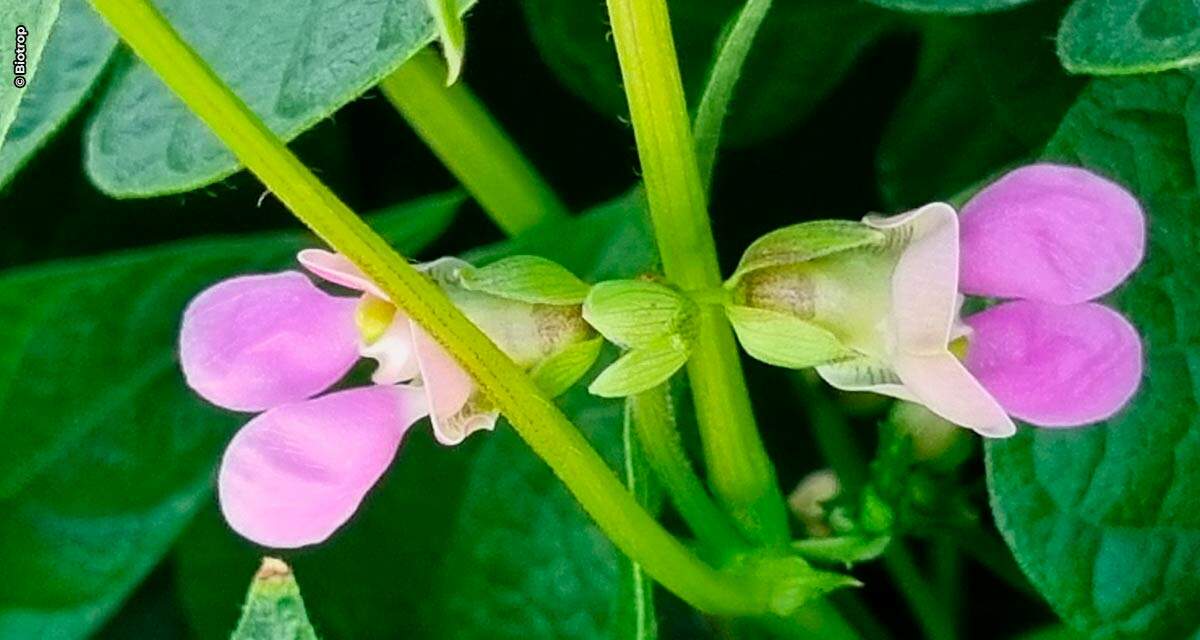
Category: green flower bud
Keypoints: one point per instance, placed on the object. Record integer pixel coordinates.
(654, 322)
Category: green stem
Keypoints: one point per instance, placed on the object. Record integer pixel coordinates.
(471, 144)
(535, 418)
(921, 598)
(654, 420)
(738, 467)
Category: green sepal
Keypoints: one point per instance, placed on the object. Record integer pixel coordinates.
(846, 550)
(274, 609)
(634, 313)
(642, 368)
(783, 340)
(558, 372)
(526, 279)
(803, 242)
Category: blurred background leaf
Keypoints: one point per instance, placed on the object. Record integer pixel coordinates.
(1132, 36)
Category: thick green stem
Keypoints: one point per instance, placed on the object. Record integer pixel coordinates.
(471, 144)
(654, 421)
(535, 418)
(738, 467)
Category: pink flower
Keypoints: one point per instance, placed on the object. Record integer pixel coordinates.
(1053, 238)
(272, 343)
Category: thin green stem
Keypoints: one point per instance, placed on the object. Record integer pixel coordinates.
(738, 467)
(642, 623)
(722, 79)
(654, 421)
(921, 598)
(535, 418)
(466, 138)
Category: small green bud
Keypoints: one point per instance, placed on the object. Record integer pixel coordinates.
(802, 243)
(559, 371)
(792, 582)
(934, 439)
(845, 550)
(633, 313)
(274, 609)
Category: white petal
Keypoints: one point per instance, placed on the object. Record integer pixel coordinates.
(394, 352)
(945, 387)
(925, 297)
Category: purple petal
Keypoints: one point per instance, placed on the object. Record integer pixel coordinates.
(296, 473)
(1056, 365)
(1051, 233)
(255, 342)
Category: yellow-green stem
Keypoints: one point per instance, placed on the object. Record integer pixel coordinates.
(738, 467)
(535, 418)
(471, 144)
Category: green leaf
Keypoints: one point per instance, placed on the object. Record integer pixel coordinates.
(971, 104)
(1103, 519)
(1132, 36)
(560, 371)
(633, 313)
(274, 609)
(514, 556)
(27, 25)
(529, 279)
(79, 46)
(784, 340)
(642, 368)
(95, 490)
(803, 242)
(293, 66)
(956, 7)
(799, 56)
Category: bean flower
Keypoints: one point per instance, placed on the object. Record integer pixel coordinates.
(277, 345)
(879, 303)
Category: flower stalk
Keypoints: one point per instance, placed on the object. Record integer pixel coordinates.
(738, 468)
(536, 419)
(466, 138)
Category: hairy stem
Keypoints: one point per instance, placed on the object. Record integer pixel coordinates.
(471, 144)
(535, 418)
(722, 79)
(654, 422)
(738, 467)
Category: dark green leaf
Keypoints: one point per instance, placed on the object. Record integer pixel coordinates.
(1131, 36)
(800, 53)
(1104, 519)
(294, 66)
(948, 6)
(96, 485)
(971, 110)
(79, 46)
